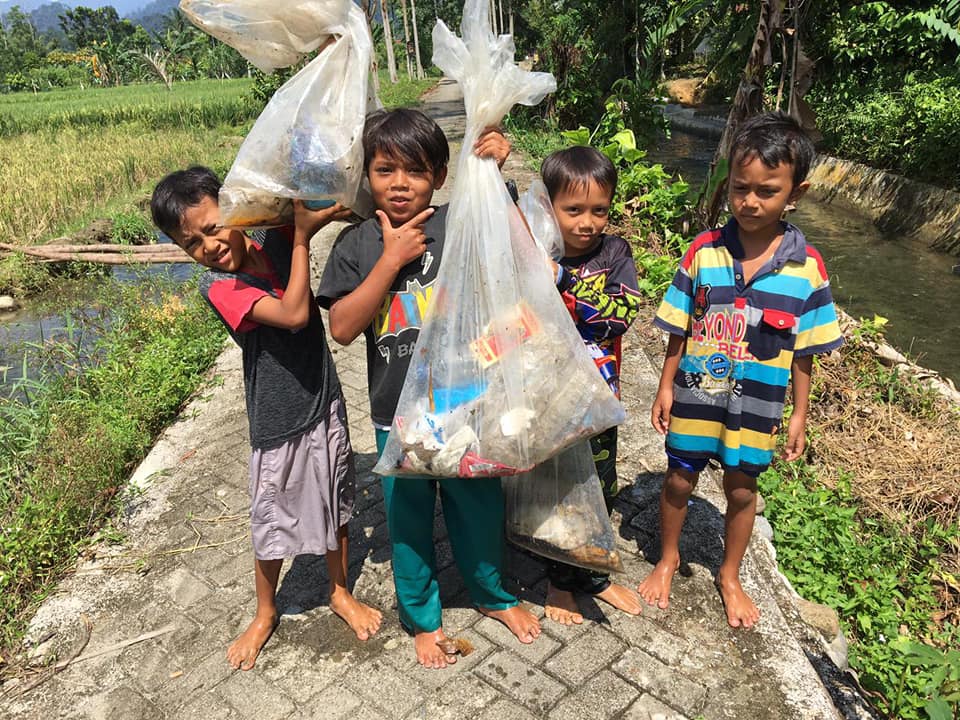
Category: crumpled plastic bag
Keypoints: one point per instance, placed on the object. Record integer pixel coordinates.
(270, 35)
(499, 380)
(538, 211)
(557, 511)
(307, 142)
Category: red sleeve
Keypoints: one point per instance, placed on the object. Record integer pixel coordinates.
(233, 300)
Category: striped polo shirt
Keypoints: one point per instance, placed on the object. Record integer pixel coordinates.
(740, 341)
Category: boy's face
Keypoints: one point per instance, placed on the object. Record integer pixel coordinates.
(203, 238)
(759, 194)
(402, 189)
(582, 212)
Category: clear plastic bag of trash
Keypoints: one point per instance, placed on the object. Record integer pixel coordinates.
(538, 211)
(307, 142)
(557, 511)
(500, 379)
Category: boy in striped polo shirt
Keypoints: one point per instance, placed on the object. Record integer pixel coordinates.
(748, 309)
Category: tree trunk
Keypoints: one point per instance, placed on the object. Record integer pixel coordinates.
(747, 102)
(388, 41)
(369, 8)
(406, 39)
(493, 17)
(416, 40)
(500, 14)
(510, 11)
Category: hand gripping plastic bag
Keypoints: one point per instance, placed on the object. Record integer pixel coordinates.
(499, 380)
(557, 511)
(307, 142)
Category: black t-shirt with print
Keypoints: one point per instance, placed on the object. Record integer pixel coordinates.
(393, 334)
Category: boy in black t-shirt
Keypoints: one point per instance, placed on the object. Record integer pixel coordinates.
(378, 281)
(301, 467)
(598, 279)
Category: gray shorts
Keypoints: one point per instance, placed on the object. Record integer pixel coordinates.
(301, 492)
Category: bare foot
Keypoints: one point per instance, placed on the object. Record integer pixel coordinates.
(362, 619)
(655, 588)
(429, 654)
(561, 606)
(741, 612)
(242, 654)
(521, 623)
(622, 598)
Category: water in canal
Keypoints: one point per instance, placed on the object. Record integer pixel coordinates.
(47, 317)
(871, 272)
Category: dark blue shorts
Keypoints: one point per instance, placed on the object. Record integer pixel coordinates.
(696, 465)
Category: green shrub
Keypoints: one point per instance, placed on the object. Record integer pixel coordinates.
(910, 131)
(81, 420)
(131, 228)
(879, 576)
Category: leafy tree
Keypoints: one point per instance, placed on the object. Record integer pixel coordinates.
(20, 45)
(85, 26)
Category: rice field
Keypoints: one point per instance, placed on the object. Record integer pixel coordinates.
(201, 103)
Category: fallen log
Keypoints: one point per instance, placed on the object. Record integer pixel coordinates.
(103, 254)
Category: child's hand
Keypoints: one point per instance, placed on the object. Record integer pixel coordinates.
(492, 144)
(796, 437)
(309, 221)
(660, 413)
(407, 242)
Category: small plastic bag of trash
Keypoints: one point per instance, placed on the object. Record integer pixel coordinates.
(307, 142)
(499, 380)
(557, 511)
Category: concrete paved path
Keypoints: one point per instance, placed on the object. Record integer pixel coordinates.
(186, 568)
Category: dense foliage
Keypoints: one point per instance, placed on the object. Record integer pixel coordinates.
(97, 47)
(81, 418)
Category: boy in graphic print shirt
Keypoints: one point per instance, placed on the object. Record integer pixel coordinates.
(748, 309)
(598, 280)
(378, 281)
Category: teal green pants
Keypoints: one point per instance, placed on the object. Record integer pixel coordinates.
(473, 511)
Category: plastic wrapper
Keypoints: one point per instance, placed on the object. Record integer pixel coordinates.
(499, 380)
(307, 142)
(557, 511)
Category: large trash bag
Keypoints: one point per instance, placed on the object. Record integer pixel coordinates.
(499, 380)
(307, 142)
(557, 511)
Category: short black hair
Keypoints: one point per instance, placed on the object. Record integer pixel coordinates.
(405, 134)
(179, 191)
(775, 138)
(576, 167)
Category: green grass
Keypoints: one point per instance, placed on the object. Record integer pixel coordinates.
(82, 420)
(197, 104)
(881, 577)
(405, 92)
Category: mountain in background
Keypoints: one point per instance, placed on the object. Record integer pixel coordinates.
(123, 7)
(44, 15)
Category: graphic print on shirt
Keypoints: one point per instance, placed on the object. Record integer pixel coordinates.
(401, 311)
(713, 364)
(605, 308)
(426, 262)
